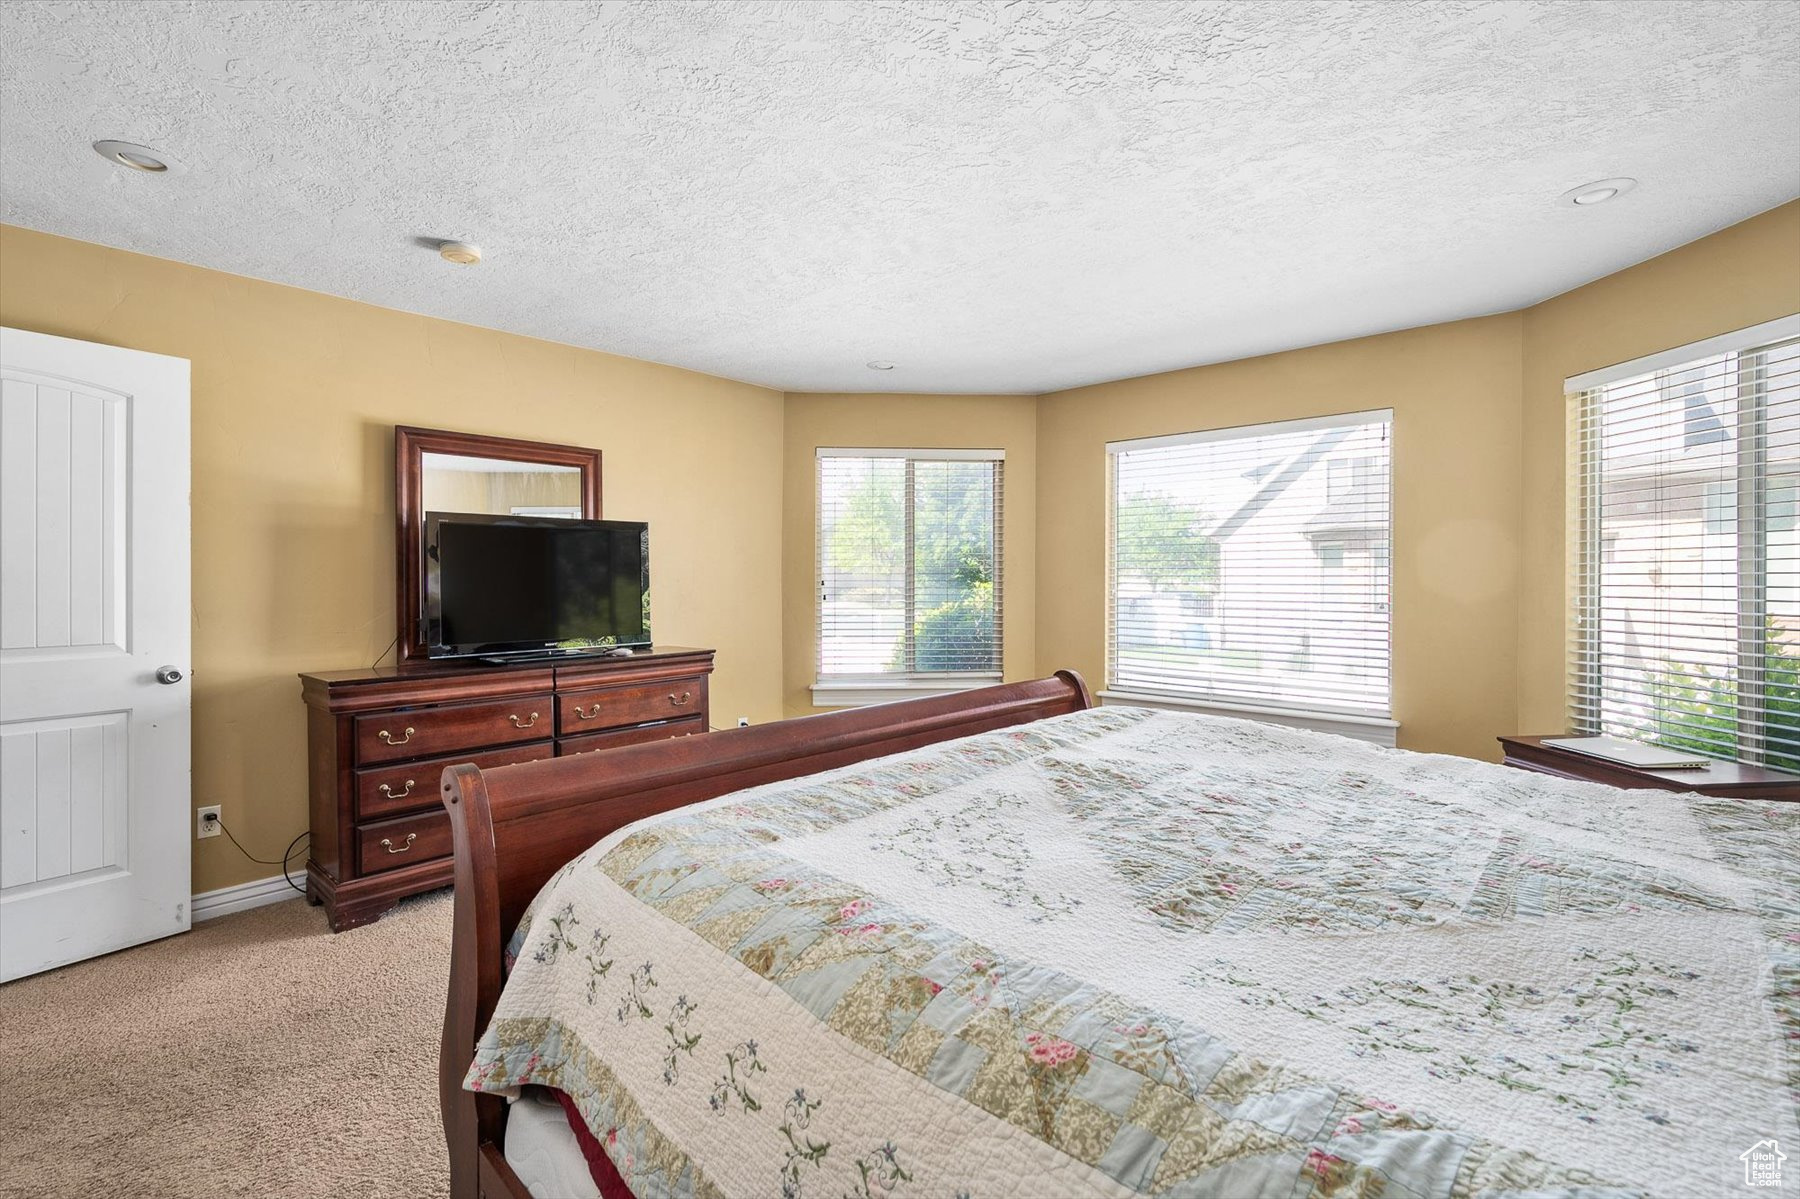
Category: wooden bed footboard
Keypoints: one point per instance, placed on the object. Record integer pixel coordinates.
(515, 826)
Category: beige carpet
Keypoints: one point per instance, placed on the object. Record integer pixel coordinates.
(257, 1055)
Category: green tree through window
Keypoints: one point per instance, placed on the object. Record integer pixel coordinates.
(1163, 544)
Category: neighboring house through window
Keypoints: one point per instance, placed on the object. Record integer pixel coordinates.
(1686, 629)
(909, 573)
(1699, 418)
(1248, 570)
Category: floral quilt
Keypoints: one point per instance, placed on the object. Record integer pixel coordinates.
(1126, 952)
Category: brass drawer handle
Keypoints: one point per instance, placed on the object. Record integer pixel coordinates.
(587, 713)
(389, 845)
(682, 702)
(523, 724)
(402, 739)
(393, 794)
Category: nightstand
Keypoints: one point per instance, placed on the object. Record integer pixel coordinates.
(1724, 779)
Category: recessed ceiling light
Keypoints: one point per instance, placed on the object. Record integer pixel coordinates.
(138, 158)
(459, 252)
(1597, 192)
(879, 365)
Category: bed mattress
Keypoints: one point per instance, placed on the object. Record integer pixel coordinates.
(1126, 952)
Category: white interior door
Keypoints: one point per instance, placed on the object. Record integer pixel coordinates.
(95, 847)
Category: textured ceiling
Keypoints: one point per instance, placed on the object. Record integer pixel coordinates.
(996, 196)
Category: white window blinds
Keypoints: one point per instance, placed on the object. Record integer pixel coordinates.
(1686, 558)
(1250, 566)
(909, 563)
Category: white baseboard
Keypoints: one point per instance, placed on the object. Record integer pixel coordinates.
(242, 898)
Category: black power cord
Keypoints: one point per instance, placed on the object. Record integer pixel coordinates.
(285, 858)
(377, 662)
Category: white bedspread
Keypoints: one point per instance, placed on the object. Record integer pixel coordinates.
(1126, 952)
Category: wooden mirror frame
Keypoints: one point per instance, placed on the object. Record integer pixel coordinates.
(411, 444)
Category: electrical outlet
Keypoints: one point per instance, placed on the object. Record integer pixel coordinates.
(743, 722)
(206, 822)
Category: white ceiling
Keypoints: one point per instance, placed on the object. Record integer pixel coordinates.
(999, 197)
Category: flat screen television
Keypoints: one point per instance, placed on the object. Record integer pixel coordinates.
(528, 585)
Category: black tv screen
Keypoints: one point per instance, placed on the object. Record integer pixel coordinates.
(519, 584)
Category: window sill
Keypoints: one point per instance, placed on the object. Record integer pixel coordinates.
(1376, 730)
(861, 693)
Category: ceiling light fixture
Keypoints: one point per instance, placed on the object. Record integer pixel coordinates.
(138, 158)
(459, 252)
(1597, 192)
(879, 365)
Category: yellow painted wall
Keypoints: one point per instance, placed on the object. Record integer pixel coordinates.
(908, 422)
(295, 395)
(1454, 393)
(1738, 277)
(1480, 463)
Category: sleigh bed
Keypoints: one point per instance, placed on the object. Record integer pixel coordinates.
(1007, 943)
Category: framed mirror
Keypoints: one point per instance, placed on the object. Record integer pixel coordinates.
(438, 471)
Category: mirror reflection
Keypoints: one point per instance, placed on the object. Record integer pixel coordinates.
(503, 487)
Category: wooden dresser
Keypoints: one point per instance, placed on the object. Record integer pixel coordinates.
(378, 741)
(1726, 779)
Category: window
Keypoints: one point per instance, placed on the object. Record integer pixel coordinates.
(909, 572)
(1249, 568)
(1687, 563)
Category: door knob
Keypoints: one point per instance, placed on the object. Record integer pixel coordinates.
(168, 674)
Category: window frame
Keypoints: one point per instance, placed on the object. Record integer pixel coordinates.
(876, 687)
(1377, 727)
(1753, 520)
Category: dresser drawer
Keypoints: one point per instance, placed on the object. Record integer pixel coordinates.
(391, 844)
(665, 731)
(611, 707)
(391, 790)
(428, 732)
